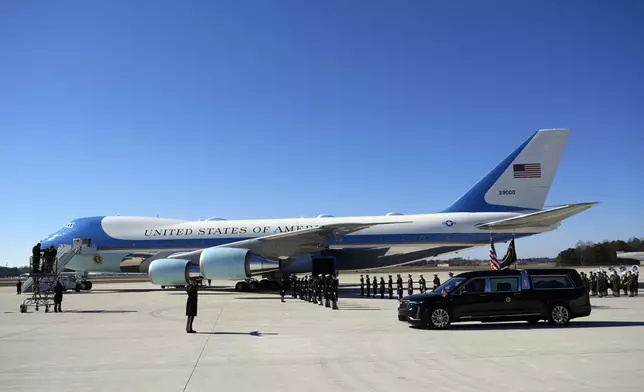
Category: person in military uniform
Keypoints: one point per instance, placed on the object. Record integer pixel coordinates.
(422, 285)
(293, 286)
(390, 287)
(335, 284)
(282, 288)
(191, 306)
(593, 284)
(436, 281)
(58, 297)
(450, 275)
(399, 286)
(624, 282)
(361, 286)
(35, 258)
(320, 289)
(410, 285)
(327, 291)
(615, 282)
(375, 286)
(368, 287)
(382, 288)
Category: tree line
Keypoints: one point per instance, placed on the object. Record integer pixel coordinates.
(603, 253)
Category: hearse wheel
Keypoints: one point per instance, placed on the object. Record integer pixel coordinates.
(439, 318)
(559, 315)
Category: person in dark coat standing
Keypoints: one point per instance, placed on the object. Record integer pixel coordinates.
(282, 288)
(410, 285)
(368, 286)
(58, 297)
(361, 286)
(399, 286)
(382, 287)
(390, 286)
(375, 286)
(191, 306)
(19, 287)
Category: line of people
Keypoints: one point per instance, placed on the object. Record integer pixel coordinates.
(399, 285)
(318, 289)
(599, 282)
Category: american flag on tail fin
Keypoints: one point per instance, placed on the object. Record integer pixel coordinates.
(494, 261)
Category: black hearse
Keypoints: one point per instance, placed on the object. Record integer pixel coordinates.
(556, 295)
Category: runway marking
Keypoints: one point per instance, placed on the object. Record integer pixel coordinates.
(203, 348)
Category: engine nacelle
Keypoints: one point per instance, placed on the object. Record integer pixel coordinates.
(170, 272)
(233, 263)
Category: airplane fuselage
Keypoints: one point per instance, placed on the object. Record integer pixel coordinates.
(118, 238)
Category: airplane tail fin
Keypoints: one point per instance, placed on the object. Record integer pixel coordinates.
(522, 181)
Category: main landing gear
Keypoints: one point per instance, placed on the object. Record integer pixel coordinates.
(255, 285)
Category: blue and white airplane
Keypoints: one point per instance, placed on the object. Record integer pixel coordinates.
(508, 201)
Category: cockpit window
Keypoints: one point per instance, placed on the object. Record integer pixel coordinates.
(69, 225)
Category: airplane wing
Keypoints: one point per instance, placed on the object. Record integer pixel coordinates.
(543, 218)
(284, 245)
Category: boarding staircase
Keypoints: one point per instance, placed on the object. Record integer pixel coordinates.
(64, 256)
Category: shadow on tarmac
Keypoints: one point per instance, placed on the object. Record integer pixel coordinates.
(541, 325)
(253, 333)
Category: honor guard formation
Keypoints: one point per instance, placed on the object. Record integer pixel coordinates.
(366, 284)
(616, 280)
(321, 289)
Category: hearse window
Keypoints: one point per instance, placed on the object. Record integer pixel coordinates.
(476, 285)
(508, 283)
(542, 282)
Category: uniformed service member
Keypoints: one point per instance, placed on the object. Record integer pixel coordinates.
(282, 288)
(399, 286)
(327, 291)
(361, 286)
(390, 287)
(320, 289)
(615, 287)
(450, 275)
(436, 282)
(375, 286)
(293, 286)
(410, 285)
(368, 286)
(382, 287)
(191, 306)
(422, 284)
(335, 284)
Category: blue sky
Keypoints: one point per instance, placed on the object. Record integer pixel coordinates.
(246, 109)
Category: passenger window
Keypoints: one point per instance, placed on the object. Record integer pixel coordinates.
(551, 282)
(509, 283)
(474, 286)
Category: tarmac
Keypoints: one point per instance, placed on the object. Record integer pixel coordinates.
(131, 337)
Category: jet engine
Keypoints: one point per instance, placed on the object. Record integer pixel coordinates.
(233, 263)
(170, 272)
